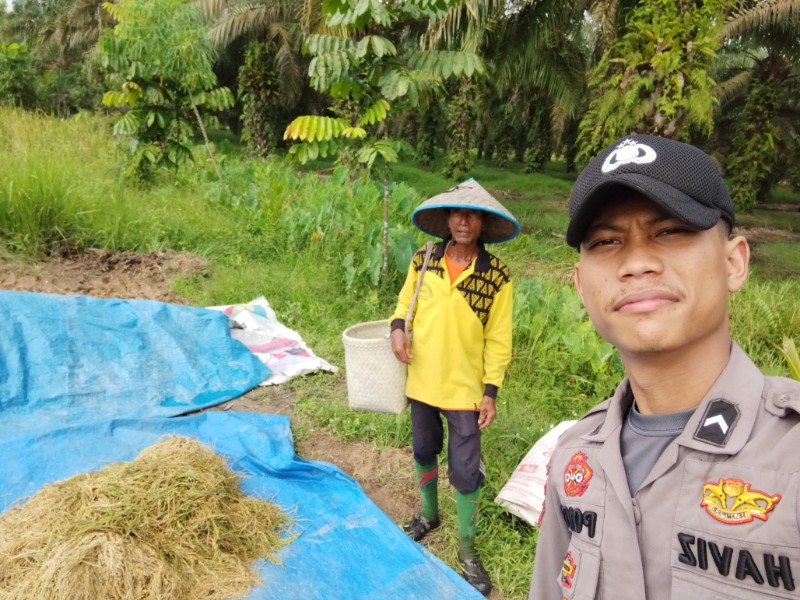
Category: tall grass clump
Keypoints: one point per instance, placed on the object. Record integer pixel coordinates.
(46, 164)
(762, 314)
(60, 188)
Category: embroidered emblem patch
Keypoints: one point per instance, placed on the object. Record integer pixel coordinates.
(568, 571)
(732, 501)
(577, 475)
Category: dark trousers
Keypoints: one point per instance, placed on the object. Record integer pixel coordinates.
(466, 472)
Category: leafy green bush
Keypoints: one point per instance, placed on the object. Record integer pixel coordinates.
(17, 72)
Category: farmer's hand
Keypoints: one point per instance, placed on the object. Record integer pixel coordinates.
(401, 346)
(487, 413)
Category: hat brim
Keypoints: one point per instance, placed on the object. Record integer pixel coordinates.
(497, 227)
(675, 202)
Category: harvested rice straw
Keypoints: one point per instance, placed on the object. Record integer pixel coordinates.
(170, 525)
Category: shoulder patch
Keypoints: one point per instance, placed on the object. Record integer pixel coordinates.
(717, 423)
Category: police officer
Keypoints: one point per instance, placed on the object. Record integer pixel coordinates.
(684, 484)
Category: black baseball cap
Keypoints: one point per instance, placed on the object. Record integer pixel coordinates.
(680, 178)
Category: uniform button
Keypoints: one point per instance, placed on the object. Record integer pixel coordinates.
(783, 400)
(637, 513)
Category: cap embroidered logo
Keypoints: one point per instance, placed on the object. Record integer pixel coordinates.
(628, 151)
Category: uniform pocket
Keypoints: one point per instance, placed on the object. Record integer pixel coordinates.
(735, 533)
(686, 585)
(580, 571)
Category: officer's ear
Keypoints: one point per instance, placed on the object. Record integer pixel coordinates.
(737, 256)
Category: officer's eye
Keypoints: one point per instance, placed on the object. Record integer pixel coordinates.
(675, 230)
(600, 242)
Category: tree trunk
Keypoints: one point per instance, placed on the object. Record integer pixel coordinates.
(205, 138)
(385, 266)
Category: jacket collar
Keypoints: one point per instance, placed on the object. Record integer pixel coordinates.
(482, 263)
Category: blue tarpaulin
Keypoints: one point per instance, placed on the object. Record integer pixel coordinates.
(67, 359)
(85, 382)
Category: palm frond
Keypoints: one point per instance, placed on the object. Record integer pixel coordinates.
(291, 71)
(543, 52)
(465, 25)
(778, 15)
(213, 9)
(733, 87)
(251, 19)
(78, 27)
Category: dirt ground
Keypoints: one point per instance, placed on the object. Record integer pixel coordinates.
(385, 475)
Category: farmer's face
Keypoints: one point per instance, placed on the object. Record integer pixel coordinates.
(651, 283)
(465, 225)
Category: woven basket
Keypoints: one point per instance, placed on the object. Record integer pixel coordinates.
(376, 380)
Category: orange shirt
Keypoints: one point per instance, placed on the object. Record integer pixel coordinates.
(454, 269)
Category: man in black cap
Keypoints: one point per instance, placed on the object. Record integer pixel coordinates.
(685, 482)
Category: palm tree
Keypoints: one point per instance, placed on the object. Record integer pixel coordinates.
(76, 29)
(758, 127)
(271, 76)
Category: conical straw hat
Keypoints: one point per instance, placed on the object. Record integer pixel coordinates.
(499, 225)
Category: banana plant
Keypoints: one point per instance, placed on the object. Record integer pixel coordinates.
(369, 72)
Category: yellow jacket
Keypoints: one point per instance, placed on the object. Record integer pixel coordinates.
(461, 343)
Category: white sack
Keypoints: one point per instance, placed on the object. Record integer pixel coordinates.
(523, 493)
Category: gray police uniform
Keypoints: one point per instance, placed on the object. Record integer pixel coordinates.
(717, 517)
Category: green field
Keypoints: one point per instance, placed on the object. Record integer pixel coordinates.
(311, 246)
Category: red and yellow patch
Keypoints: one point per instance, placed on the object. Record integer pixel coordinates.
(577, 475)
(732, 501)
(568, 571)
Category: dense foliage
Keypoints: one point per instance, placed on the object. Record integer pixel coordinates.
(364, 80)
(655, 77)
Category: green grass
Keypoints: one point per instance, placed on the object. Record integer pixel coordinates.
(784, 195)
(311, 246)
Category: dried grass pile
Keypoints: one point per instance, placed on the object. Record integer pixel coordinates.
(171, 524)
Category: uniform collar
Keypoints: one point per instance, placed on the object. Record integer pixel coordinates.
(722, 422)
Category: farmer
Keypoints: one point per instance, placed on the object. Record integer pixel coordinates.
(459, 353)
(684, 484)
